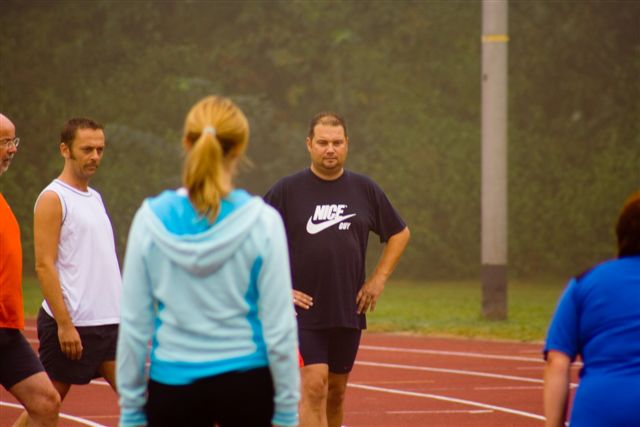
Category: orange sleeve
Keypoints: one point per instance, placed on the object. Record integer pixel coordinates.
(11, 308)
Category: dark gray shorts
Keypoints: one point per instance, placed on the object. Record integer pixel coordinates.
(18, 361)
(98, 346)
(336, 347)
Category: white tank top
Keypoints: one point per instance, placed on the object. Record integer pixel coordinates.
(87, 264)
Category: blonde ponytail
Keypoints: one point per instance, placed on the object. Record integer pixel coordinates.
(201, 175)
(216, 131)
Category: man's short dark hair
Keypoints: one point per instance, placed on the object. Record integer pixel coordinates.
(70, 128)
(628, 227)
(328, 118)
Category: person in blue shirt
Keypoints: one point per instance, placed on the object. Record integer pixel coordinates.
(598, 319)
(206, 281)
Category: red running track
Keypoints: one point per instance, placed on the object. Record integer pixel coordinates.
(398, 381)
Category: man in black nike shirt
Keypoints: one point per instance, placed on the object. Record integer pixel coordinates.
(328, 213)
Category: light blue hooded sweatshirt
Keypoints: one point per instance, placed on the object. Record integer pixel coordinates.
(210, 298)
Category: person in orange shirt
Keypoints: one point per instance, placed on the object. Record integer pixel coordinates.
(21, 372)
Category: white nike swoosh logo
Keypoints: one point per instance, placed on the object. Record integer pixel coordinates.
(316, 228)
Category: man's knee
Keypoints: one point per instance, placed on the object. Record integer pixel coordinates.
(45, 404)
(38, 396)
(51, 401)
(337, 389)
(335, 396)
(315, 386)
(42, 408)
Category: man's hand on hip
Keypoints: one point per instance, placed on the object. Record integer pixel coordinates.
(369, 294)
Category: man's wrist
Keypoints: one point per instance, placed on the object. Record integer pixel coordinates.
(64, 323)
(381, 276)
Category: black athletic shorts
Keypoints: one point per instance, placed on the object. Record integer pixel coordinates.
(234, 399)
(98, 346)
(336, 347)
(18, 361)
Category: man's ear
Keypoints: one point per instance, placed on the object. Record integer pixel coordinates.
(64, 150)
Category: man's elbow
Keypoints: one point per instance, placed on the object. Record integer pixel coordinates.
(41, 267)
(407, 233)
(403, 236)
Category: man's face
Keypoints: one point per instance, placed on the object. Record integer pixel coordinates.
(7, 148)
(85, 152)
(328, 150)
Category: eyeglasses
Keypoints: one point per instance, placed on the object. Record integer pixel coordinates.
(6, 141)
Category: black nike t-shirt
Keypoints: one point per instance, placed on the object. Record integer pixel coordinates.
(328, 224)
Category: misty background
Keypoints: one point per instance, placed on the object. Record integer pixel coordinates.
(404, 74)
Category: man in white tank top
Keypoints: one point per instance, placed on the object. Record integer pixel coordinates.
(77, 266)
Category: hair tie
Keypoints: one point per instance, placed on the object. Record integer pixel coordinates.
(209, 129)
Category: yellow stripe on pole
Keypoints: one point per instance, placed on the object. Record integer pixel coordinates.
(495, 38)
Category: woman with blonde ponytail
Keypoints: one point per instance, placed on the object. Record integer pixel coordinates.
(206, 281)
(216, 133)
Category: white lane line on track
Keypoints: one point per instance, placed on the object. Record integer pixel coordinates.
(448, 399)
(456, 372)
(65, 416)
(453, 353)
(531, 387)
(453, 411)
(450, 371)
(399, 383)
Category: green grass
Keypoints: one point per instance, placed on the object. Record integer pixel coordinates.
(454, 309)
(32, 296)
(439, 309)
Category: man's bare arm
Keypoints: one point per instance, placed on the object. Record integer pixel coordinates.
(373, 287)
(46, 232)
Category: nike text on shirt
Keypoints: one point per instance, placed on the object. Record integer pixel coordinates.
(328, 215)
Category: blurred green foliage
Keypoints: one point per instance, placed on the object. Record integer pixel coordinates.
(405, 74)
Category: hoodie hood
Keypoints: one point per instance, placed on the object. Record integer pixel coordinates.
(203, 253)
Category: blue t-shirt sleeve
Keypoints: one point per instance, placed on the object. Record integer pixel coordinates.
(564, 331)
